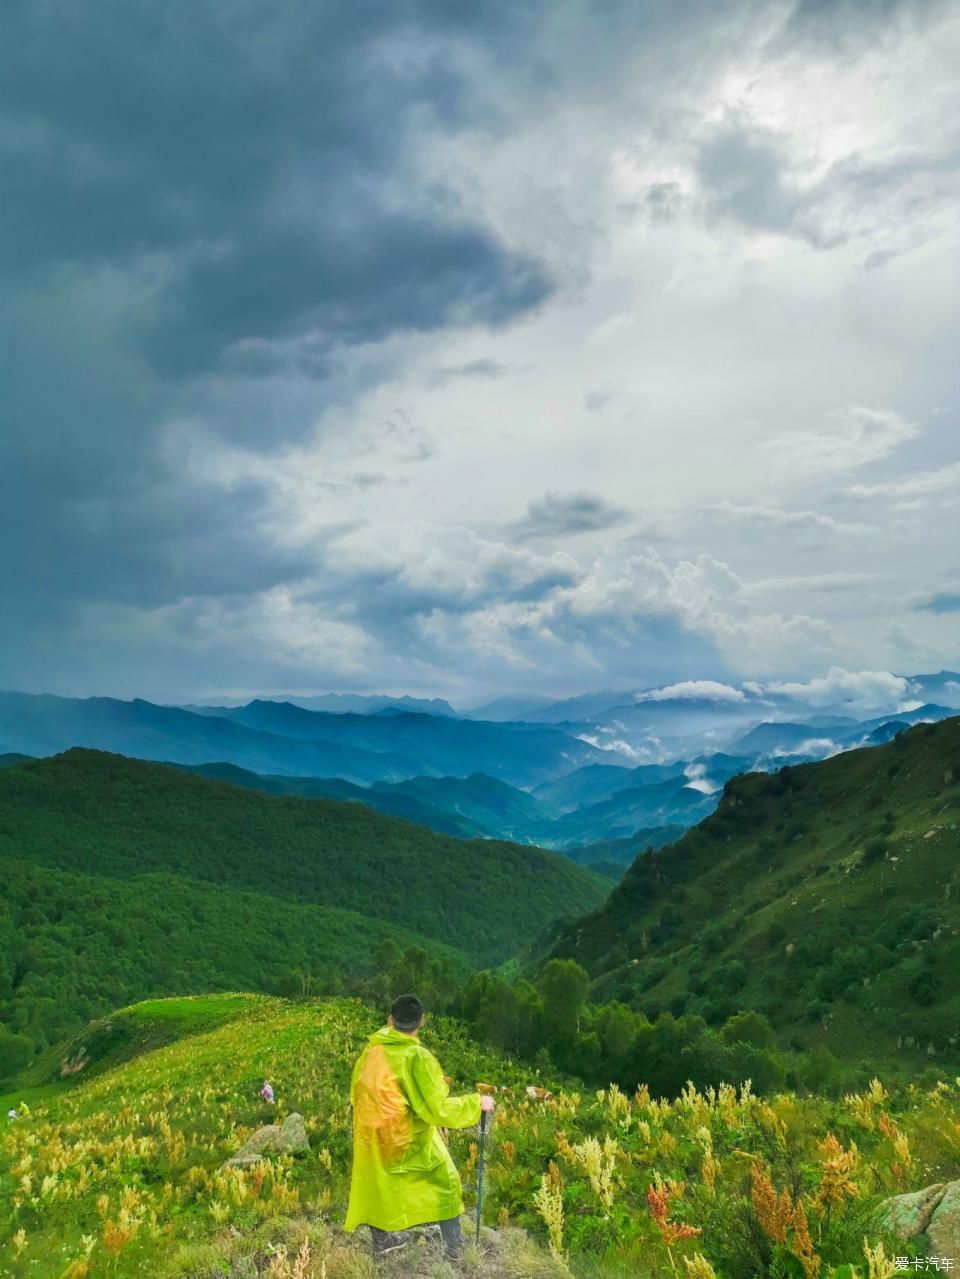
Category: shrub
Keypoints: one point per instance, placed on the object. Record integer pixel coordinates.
(751, 1028)
(874, 851)
(925, 986)
(15, 1053)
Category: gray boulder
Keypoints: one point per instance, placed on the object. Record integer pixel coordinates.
(944, 1228)
(907, 1216)
(288, 1138)
(933, 1211)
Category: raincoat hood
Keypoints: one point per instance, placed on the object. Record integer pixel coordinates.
(402, 1171)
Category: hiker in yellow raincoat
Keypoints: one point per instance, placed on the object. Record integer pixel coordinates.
(403, 1175)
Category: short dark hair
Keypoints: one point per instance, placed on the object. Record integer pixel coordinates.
(407, 1012)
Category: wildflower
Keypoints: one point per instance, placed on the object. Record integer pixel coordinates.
(861, 1107)
(803, 1245)
(708, 1172)
(774, 1212)
(879, 1265)
(698, 1267)
(19, 1241)
(835, 1183)
(564, 1148)
(548, 1202)
(658, 1197)
(901, 1145)
(771, 1121)
(598, 1163)
(116, 1236)
(618, 1105)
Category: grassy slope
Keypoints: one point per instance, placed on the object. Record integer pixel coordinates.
(205, 1086)
(829, 892)
(130, 1157)
(117, 818)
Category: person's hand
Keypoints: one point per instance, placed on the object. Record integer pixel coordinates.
(487, 1104)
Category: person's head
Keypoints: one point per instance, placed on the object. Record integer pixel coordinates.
(406, 1014)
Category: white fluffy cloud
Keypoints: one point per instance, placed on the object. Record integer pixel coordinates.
(860, 690)
(848, 438)
(709, 689)
(921, 485)
(702, 597)
(791, 521)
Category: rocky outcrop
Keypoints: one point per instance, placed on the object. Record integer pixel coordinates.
(933, 1211)
(944, 1228)
(288, 1138)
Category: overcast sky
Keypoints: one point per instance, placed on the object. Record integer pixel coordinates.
(473, 348)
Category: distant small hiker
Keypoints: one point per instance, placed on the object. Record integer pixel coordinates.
(403, 1175)
(266, 1092)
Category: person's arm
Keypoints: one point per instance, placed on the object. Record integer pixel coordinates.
(430, 1096)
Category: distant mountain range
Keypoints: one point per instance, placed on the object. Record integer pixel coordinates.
(277, 737)
(564, 784)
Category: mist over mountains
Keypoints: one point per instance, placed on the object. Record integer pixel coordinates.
(607, 768)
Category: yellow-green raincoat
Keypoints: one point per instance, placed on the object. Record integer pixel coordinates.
(402, 1171)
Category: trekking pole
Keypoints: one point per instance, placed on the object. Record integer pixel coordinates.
(483, 1142)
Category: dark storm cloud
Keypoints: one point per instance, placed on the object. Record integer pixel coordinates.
(846, 24)
(203, 203)
(260, 157)
(563, 514)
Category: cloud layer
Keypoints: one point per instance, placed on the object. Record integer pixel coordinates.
(373, 346)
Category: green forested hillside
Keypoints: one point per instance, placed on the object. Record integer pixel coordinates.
(123, 879)
(115, 817)
(74, 946)
(382, 797)
(825, 896)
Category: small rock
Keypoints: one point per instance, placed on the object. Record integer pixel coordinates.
(288, 1138)
(293, 1135)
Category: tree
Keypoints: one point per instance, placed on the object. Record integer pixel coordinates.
(616, 1026)
(15, 1052)
(749, 1028)
(564, 986)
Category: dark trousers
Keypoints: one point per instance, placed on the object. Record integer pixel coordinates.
(385, 1240)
